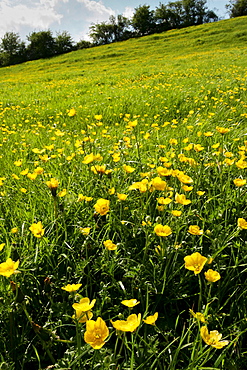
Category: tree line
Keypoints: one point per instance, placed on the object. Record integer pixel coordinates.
(175, 14)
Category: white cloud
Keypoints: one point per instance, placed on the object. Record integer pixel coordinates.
(97, 7)
(128, 12)
(37, 15)
(74, 16)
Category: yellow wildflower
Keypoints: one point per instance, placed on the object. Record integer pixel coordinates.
(96, 333)
(71, 287)
(198, 315)
(37, 229)
(102, 206)
(242, 223)
(150, 320)
(181, 199)
(9, 267)
(212, 276)
(195, 262)
(72, 112)
(122, 196)
(110, 245)
(85, 230)
(213, 338)
(84, 305)
(239, 182)
(161, 230)
(195, 230)
(130, 302)
(131, 324)
(176, 213)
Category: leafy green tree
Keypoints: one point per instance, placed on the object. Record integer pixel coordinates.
(237, 8)
(143, 20)
(101, 33)
(120, 27)
(63, 43)
(42, 45)
(194, 12)
(83, 44)
(169, 16)
(12, 49)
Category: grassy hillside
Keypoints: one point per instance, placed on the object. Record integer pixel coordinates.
(123, 171)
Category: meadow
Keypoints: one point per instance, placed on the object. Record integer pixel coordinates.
(123, 205)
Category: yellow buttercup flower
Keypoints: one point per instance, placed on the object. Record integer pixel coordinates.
(111, 191)
(198, 315)
(239, 182)
(84, 304)
(14, 230)
(222, 130)
(195, 230)
(62, 193)
(98, 169)
(195, 262)
(96, 333)
(131, 324)
(71, 287)
(130, 302)
(85, 230)
(242, 223)
(161, 230)
(213, 338)
(37, 229)
(53, 185)
(122, 196)
(176, 213)
(39, 170)
(199, 192)
(158, 184)
(9, 267)
(72, 112)
(82, 316)
(181, 199)
(110, 245)
(164, 201)
(102, 206)
(185, 179)
(128, 169)
(150, 320)
(212, 276)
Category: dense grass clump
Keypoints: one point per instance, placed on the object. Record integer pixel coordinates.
(123, 205)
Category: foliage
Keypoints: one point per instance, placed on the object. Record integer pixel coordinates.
(12, 49)
(41, 45)
(143, 20)
(123, 205)
(63, 43)
(237, 8)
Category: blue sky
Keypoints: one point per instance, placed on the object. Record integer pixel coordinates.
(74, 16)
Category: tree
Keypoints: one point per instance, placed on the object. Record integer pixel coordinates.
(63, 42)
(120, 27)
(101, 33)
(42, 45)
(237, 8)
(83, 44)
(143, 20)
(13, 50)
(169, 16)
(194, 12)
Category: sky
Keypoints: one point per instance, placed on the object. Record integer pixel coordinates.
(74, 16)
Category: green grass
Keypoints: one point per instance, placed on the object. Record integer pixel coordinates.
(153, 103)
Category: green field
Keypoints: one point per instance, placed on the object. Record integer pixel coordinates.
(123, 169)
